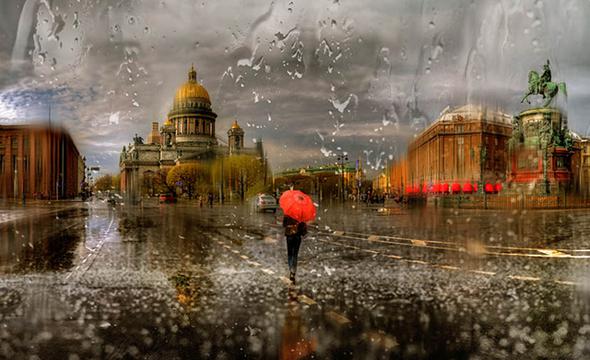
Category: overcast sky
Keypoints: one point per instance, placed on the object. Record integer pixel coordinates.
(311, 78)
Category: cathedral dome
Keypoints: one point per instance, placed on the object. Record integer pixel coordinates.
(191, 92)
(191, 115)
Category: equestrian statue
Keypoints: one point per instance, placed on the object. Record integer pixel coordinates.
(542, 85)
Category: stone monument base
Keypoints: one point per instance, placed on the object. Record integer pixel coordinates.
(540, 155)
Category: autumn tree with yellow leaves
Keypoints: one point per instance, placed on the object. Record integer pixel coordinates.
(190, 178)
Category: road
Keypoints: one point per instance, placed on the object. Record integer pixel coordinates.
(90, 280)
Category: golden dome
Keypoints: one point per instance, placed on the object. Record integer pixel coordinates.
(235, 125)
(167, 122)
(191, 90)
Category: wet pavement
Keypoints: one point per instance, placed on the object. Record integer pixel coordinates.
(90, 280)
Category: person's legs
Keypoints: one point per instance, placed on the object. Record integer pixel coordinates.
(293, 243)
(295, 251)
(290, 258)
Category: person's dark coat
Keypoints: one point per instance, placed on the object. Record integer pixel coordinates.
(294, 227)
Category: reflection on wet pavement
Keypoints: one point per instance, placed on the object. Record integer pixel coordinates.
(297, 342)
(179, 281)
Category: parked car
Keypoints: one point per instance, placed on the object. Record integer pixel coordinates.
(265, 202)
(167, 198)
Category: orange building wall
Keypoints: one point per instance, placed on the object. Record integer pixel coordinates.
(39, 162)
(451, 151)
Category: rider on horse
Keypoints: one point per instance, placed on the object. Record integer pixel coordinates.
(545, 78)
(542, 85)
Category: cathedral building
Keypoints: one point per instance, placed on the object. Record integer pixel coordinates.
(187, 136)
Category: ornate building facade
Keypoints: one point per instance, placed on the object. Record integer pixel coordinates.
(187, 136)
(467, 144)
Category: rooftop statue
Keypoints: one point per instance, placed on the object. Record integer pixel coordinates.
(542, 85)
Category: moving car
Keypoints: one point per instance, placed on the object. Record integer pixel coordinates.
(265, 202)
(167, 198)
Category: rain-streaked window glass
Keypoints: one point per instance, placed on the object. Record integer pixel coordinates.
(294, 179)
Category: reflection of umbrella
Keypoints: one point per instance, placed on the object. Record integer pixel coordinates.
(297, 205)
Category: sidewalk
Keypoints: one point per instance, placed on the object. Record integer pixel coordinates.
(13, 211)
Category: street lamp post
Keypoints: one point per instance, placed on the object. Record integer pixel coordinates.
(341, 161)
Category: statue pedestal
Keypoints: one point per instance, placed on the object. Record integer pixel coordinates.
(540, 157)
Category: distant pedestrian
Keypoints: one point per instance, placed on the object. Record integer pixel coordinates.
(210, 199)
(298, 208)
(294, 231)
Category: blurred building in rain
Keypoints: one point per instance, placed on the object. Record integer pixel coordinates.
(324, 182)
(39, 162)
(473, 148)
(186, 137)
(467, 144)
(583, 166)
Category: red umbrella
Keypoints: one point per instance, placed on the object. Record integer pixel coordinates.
(498, 187)
(474, 187)
(425, 188)
(445, 188)
(489, 188)
(456, 188)
(467, 188)
(297, 205)
(436, 188)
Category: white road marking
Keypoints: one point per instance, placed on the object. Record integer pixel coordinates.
(524, 278)
(417, 261)
(268, 271)
(447, 267)
(458, 247)
(306, 300)
(285, 280)
(565, 282)
(419, 242)
(489, 273)
(339, 319)
(552, 253)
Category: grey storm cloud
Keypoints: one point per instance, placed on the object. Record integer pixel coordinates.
(312, 78)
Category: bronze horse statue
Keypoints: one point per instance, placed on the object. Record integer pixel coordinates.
(542, 85)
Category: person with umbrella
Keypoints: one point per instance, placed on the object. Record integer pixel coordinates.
(298, 208)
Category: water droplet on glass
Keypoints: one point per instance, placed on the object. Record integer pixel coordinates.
(76, 22)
